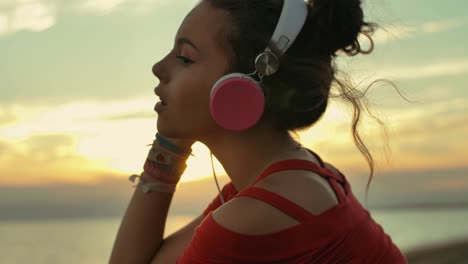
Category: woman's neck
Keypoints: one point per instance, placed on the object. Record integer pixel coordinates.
(244, 155)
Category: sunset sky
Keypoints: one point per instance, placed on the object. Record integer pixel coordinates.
(76, 99)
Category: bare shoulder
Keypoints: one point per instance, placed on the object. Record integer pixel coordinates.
(250, 216)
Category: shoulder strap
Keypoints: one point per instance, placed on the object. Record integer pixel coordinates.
(286, 205)
(278, 201)
(299, 164)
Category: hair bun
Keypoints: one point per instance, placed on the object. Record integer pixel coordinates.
(337, 25)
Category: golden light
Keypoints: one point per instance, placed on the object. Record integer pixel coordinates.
(112, 139)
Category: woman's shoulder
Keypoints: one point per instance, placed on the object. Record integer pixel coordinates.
(256, 215)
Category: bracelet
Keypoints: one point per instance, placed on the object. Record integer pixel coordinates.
(171, 146)
(153, 186)
(170, 174)
(164, 157)
(163, 167)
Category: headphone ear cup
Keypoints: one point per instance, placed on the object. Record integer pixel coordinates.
(236, 102)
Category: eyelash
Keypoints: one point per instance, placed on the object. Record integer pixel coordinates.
(184, 60)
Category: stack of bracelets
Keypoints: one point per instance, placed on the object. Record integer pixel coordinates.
(163, 167)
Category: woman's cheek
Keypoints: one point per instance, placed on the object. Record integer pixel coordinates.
(191, 100)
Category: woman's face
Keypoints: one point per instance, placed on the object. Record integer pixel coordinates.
(188, 73)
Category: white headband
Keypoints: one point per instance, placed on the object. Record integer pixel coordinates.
(290, 23)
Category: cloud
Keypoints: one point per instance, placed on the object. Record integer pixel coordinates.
(445, 116)
(435, 69)
(135, 115)
(40, 15)
(6, 116)
(394, 32)
(105, 7)
(430, 135)
(431, 69)
(77, 117)
(35, 16)
(420, 136)
(90, 135)
(442, 25)
(32, 15)
(110, 136)
(3, 24)
(48, 148)
(3, 148)
(40, 159)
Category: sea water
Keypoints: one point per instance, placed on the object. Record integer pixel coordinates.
(89, 241)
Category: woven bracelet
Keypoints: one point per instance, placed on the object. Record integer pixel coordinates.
(171, 146)
(160, 154)
(153, 186)
(169, 174)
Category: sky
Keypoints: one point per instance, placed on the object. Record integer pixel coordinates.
(76, 105)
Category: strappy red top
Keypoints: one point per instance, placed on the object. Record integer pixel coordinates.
(345, 233)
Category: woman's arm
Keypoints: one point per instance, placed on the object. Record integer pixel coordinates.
(173, 246)
(141, 231)
(140, 236)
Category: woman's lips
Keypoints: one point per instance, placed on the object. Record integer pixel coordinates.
(160, 106)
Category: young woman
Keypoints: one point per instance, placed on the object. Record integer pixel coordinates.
(243, 75)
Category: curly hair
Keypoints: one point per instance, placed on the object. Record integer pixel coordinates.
(298, 94)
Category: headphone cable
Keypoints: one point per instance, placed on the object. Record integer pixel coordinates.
(216, 179)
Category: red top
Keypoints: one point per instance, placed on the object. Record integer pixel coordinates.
(345, 233)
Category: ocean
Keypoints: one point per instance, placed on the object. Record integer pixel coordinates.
(89, 241)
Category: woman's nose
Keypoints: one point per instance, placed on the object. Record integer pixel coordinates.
(157, 71)
(160, 69)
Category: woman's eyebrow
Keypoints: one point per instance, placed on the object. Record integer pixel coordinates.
(184, 40)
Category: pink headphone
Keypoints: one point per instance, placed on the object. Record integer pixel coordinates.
(237, 101)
